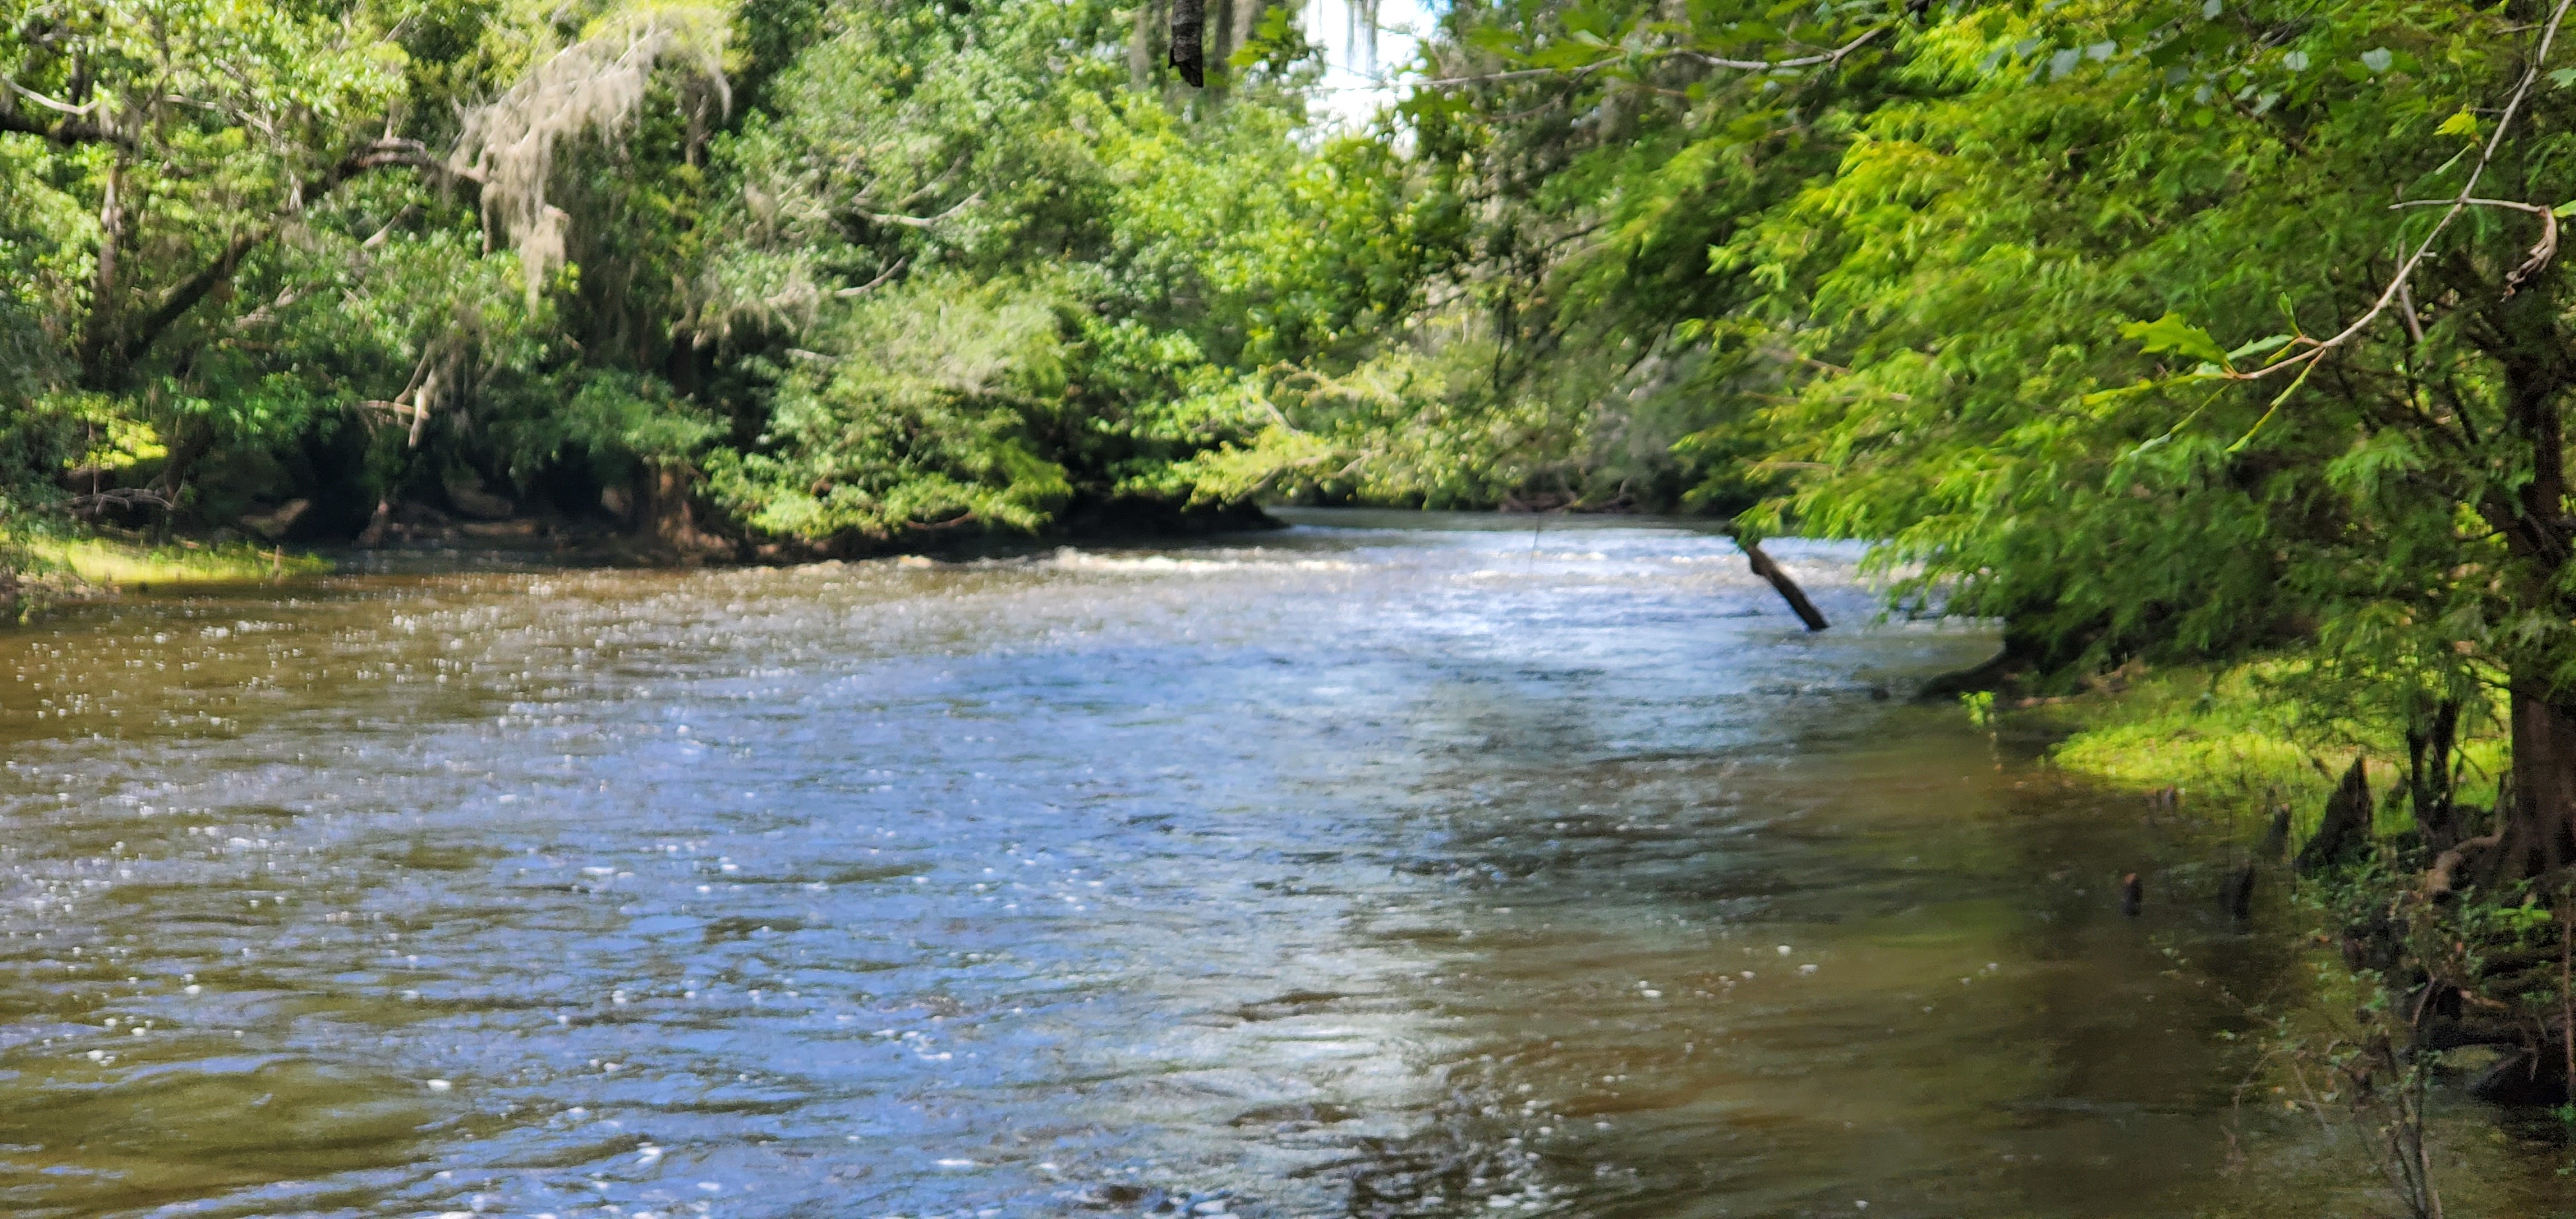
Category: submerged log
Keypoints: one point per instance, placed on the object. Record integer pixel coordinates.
(1780, 581)
(2345, 831)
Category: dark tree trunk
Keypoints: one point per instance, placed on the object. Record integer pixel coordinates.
(1188, 53)
(2236, 896)
(2536, 813)
(2537, 826)
(2428, 775)
(667, 503)
(2276, 839)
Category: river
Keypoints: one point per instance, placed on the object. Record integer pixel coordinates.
(1390, 864)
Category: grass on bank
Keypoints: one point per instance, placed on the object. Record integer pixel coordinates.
(2243, 738)
(102, 561)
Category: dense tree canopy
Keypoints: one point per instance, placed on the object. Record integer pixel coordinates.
(834, 272)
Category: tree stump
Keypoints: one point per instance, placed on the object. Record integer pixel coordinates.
(2344, 834)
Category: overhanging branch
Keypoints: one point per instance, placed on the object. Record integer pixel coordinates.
(104, 360)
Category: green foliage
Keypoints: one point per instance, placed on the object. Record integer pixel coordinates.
(990, 282)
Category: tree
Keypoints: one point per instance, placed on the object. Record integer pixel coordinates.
(2163, 331)
(268, 225)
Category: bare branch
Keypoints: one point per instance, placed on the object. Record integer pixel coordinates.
(923, 222)
(67, 132)
(1833, 56)
(872, 285)
(81, 111)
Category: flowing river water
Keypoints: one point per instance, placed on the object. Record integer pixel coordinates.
(1391, 864)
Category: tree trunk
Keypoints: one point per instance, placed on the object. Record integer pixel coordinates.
(2537, 826)
(1140, 44)
(1188, 53)
(1780, 582)
(667, 505)
(2536, 814)
(1247, 24)
(2428, 775)
(99, 336)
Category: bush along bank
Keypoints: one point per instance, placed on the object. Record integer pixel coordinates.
(2460, 978)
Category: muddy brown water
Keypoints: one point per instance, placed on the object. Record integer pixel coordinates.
(1392, 864)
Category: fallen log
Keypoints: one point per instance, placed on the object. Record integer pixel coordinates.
(1780, 582)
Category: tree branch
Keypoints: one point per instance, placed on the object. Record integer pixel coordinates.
(2316, 349)
(872, 285)
(105, 362)
(69, 132)
(1819, 59)
(923, 222)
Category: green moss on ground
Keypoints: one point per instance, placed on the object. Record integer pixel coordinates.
(39, 568)
(2241, 737)
(114, 563)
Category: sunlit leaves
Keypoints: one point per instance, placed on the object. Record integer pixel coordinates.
(2171, 333)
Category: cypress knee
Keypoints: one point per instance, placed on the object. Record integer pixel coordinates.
(2237, 895)
(2276, 840)
(2344, 834)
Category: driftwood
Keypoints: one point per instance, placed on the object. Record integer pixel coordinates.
(2345, 831)
(1787, 588)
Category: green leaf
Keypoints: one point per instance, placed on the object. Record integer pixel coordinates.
(2460, 124)
(2172, 333)
(2259, 346)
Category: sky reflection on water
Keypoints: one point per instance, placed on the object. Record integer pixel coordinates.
(1390, 864)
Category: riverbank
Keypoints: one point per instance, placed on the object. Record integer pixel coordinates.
(44, 568)
(2247, 737)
